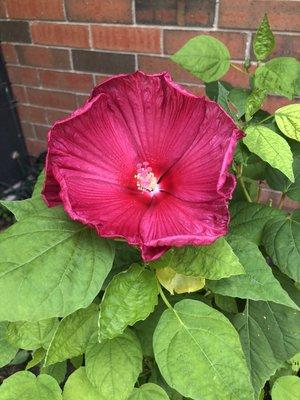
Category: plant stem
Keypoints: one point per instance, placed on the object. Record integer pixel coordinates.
(162, 295)
(239, 69)
(283, 196)
(265, 119)
(239, 176)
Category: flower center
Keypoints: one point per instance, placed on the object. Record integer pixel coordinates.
(145, 178)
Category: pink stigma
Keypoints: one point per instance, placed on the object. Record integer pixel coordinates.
(146, 180)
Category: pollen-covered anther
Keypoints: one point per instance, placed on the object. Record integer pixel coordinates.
(146, 180)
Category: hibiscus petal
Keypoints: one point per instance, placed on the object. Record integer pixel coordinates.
(170, 221)
(161, 118)
(201, 173)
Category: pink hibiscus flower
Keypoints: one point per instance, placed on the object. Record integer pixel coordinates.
(146, 161)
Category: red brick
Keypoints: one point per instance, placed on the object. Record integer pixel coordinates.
(67, 81)
(55, 115)
(175, 39)
(9, 53)
(2, 9)
(48, 98)
(247, 14)
(274, 102)
(35, 9)
(43, 57)
(60, 34)
(287, 45)
(34, 147)
(32, 114)
(153, 64)
(41, 132)
(23, 75)
(237, 78)
(81, 99)
(101, 78)
(27, 129)
(19, 93)
(146, 40)
(195, 89)
(99, 11)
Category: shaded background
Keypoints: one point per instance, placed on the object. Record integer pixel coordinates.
(57, 50)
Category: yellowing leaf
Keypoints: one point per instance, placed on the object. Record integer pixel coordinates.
(178, 283)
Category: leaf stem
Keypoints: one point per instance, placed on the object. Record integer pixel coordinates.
(239, 69)
(162, 295)
(265, 119)
(239, 176)
(283, 196)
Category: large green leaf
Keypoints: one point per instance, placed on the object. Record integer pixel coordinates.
(286, 388)
(258, 282)
(248, 219)
(78, 387)
(215, 261)
(73, 334)
(113, 365)
(130, 297)
(279, 76)
(191, 343)
(264, 40)
(270, 335)
(282, 242)
(288, 120)
(57, 371)
(149, 391)
(254, 102)
(270, 147)
(205, 57)
(7, 350)
(276, 180)
(59, 267)
(26, 386)
(31, 335)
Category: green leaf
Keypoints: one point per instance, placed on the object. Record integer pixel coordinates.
(191, 343)
(39, 185)
(73, 334)
(149, 391)
(271, 148)
(279, 76)
(205, 57)
(113, 366)
(178, 283)
(258, 282)
(57, 371)
(59, 267)
(7, 350)
(238, 97)
(264, 40)
(26, 386)
(286, 388)
(215, 261)
(288, 120)
(282, 242)
(248, 219)
(270, 335)
(212, 89)
(37, 358)
(130, 297)
(223, 99)
(277, 181)
(78, 387)
(31, 335)
(226, 303)
(254, 102)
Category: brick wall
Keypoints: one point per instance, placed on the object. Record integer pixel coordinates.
(56, 50)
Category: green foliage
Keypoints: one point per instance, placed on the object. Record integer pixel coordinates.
(282, 242)
(286, 388)
(279, 76)
(73, 334)
(239, 97)
(149, 391)
(201, 338)
(254, 102)
(113, 366)
(270, 335)
(130, 297)
(57, 371)
(78, 387)
(24, 385)
(258, 282)
(271, 148)
(264, 41)
(288, 120)
(59, 267)
(7, 350)
(215, 261)
(205, 57)
(31, 335)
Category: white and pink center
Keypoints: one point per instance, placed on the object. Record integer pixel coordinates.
(146, 180)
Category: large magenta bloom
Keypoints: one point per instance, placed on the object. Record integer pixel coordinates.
(146, 161)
